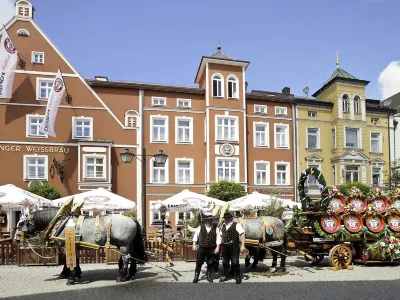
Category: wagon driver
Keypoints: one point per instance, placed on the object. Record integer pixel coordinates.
(233, 240)
(208, 237)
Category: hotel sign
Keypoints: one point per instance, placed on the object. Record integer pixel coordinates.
(34, 149)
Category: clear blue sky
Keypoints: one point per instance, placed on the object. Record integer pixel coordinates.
(287, 42)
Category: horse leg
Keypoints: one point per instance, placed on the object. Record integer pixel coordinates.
(120, 263)
(125, 261)
(274, 260)
(71, 278)
(255, 259)
(65, 272)
(132, 269)
(78, 269)
(283, 258)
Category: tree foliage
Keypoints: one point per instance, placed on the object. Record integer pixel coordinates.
(226, 190)
(344, 188)
(46, 190)
(275, 209)
(394, 179)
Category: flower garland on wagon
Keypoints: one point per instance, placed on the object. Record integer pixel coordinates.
(389, 247)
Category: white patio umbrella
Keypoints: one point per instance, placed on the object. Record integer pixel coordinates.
(100, 199)
(13, 198)
(257, 201)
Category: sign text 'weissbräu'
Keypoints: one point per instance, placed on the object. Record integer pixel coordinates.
(33, 149)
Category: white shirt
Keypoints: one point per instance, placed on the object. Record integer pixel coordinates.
(239, 228)
(208, 228)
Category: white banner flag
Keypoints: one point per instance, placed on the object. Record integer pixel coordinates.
(56, 94)
(8, 63)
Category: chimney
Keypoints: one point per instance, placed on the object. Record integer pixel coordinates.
(286, 90)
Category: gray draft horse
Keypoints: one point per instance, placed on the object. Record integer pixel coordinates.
(125, 234)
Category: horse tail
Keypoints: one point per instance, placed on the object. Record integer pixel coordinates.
(138, 246)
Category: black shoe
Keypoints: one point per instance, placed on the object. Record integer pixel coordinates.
(196, 278)
(238, 280)
(223, 278)
(209, 277)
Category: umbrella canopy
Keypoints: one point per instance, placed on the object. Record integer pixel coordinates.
(257, 201)
(100, 199)
(13, 198)
(187, 200)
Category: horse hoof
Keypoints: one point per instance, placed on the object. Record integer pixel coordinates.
(253, 266)
(62, 276)
(120, 279)
(70, 282)
(246, 265)
(273, 270)
(282, 269)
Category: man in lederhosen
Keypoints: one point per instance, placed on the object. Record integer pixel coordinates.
(233, 241)
(208, 237)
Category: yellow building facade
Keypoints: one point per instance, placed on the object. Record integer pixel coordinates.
(347, 136)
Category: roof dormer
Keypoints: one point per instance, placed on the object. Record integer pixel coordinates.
(24, 9)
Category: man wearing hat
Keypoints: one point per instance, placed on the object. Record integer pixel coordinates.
(208, 237)
(232, 236)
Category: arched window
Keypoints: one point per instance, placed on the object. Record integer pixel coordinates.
(232, 87)
(131, 118)
(357, 104)
(345, 100)
(218, 85)
(23, 32)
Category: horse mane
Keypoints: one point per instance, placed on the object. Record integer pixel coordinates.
(42, 218)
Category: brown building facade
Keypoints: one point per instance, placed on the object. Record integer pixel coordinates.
(211, 132)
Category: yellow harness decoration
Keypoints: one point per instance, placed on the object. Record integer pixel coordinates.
(70, 245)
(97, 236)
(108, 231)
(269, 225)
(79, 226)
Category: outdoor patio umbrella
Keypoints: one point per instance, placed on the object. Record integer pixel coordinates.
(257, 201)
(100, 199)
(14, 198)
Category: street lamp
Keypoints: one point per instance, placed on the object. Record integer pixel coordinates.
(160, 158)
(163, 212)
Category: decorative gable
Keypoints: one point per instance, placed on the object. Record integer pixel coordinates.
(314, 158)
(24, 9)
(352, 156)
(377, 162)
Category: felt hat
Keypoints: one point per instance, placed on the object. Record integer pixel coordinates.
(227, 215)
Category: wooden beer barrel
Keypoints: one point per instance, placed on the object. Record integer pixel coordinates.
(353, 223)
(358, 204)
(330, 223)
(393, 221)
(337, 204)
(381, 205)
(370, 252)
(375, 224)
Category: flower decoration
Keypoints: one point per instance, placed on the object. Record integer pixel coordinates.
(333, 191)
(348, 209)
(389, 247)
(371, 210)
(376, 193)
(355, 192)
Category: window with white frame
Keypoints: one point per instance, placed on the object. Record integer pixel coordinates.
(312, 114)
(33, 123)
(282, 174)
(376, 176)
(159, 172)
(313, 138)
(35, 167)
(82, 128)
(23, 32)
(159, 129)
(37, 57)
(281, 136)
(95, 166)
(345, 103)
(260, 109)
(184, 103)
(226, 169)
(155, 215)
(184, 171)
(131, 118)
(182, 217)
(43, 88)
(262, 172)
(352, 173)
(352, 137)
(334, 174)
(334, 138)
(227, 128)
(218, 84)
(159, 101)
(261, 135)
(280, 110)
(233, 87)
(376, 146)
(184, 130)
(356, 104)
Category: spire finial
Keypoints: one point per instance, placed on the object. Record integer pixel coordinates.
(337, 60)
(219, 46)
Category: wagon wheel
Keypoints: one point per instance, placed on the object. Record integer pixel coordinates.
(340, 256)
(316, 259)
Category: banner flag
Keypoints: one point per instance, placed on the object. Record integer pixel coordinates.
(8, 64)
(55, 96)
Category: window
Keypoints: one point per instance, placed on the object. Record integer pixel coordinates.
(159, 101)
(376, 176)
(334, 174)
(184, 171)
(345, 102)
(95, 166)
(181, 217)
(260, 109)
(233, 87)
(280, 110)
(23, 32)
(227, 128)
(184, 130)
(376, 143)
(227, 169)
(82, 128)
(312, 181)
(261, 135)
(352, 137)
(375, 121)
(33, 123)
(155, 215)
(37, 57)
(312, 114)
(43, 88)
(352, 173)
(35, 167)
(334, 138)
(313, 138)
(159, 129)
(261, 174)
(356, 104)
(159, 172)
(281, 136)
(218, 85)
(282, 174)
(131, 118)
(184, 103)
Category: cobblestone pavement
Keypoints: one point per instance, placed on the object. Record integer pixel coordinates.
(152, 282)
